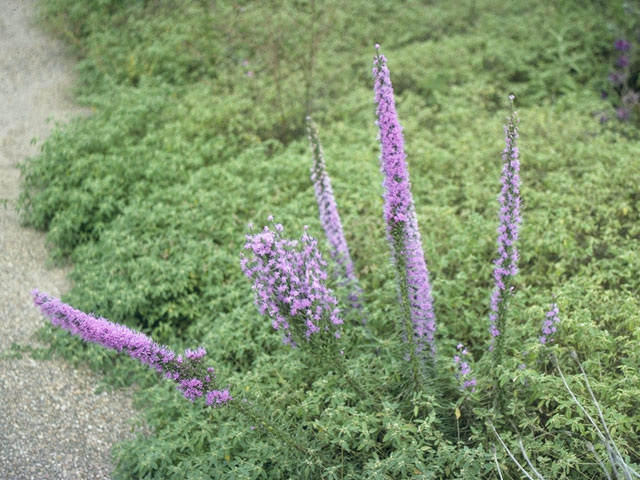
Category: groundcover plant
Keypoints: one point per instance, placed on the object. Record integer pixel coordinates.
(345, 400)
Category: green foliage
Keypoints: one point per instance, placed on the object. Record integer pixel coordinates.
(149, 195)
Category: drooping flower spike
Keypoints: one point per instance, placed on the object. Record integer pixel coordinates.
(400, 215)
(191, 376)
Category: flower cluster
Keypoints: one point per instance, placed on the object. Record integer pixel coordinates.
(506, 265)
(400, 214)
(329, 217)
(550, 325)
(289, 281)
(192, 378)
(463, 370)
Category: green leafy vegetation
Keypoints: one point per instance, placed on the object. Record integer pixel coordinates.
(197, 129)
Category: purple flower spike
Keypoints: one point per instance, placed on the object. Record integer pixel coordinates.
(506, 265)
(400, 214)
(289, 281)
(191, 377)
(622, 45)
(550, 325)
(330, 218)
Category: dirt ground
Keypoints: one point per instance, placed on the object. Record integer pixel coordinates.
(52, 424)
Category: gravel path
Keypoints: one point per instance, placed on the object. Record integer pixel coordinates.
(52, 424)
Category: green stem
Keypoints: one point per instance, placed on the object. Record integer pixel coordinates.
(274, 429)
(397, 234)
(498, 351)
(352, 383)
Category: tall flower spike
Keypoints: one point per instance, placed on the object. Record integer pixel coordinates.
(400, 216)
(330, 218)
(289, 281)
(193, 379)
(506, 265)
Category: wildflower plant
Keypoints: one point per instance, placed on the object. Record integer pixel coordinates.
(418, 317)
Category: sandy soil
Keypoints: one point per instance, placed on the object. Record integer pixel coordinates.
(52, 424)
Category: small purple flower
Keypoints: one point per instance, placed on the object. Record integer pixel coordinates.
(550, 325)
(622, 45)
(400, 215)
(190, 375)
(622, 61)
(603, 118)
